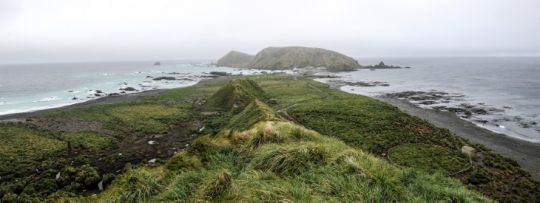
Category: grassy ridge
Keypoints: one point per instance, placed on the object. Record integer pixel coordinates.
(276, 160)
(249, 153)
(381, 129)
(279, 161)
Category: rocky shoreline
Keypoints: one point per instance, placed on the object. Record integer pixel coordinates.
(451, 111)
(478, 113)
(527, 154)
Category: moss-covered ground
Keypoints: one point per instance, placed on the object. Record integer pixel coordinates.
(276, 138)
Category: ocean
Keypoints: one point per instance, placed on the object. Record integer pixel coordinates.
(31, 87)
(507, 87)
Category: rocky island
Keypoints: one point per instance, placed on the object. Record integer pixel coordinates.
(235, 59)
(382, 65)
(280, 58)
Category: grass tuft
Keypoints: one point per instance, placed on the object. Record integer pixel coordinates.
(219, 185)
(290, 160)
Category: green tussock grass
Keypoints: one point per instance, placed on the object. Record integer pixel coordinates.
(300, 166)
(376, 127)
(253, 113)
(31, 158)
(340, 148)
(139, 118)
(88, 140)
(421, 156)
(236, 94)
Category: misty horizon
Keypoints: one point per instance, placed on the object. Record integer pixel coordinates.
(79, 31)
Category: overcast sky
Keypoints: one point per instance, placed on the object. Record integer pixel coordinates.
(105, 30)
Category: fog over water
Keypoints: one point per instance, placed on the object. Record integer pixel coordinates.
(104, 30)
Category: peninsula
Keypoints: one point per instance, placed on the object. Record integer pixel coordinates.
(281, 58)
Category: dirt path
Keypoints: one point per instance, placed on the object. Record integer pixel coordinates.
(284, 111)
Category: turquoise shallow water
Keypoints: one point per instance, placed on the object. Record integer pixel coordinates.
(30, 87)
(498, 82)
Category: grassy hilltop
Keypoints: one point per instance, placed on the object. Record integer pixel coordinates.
(269, 137)
(281, 58)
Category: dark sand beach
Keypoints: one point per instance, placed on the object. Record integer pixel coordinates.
(527, 154)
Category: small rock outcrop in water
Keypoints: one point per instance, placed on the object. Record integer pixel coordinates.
(165, 78)
(128, 89)
(219, 73)
(381, 65)
(235, 59)
(280, 58)
(157, 63)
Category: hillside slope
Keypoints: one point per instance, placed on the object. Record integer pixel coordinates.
(235, 59)
(276, 160)
(279, 58)
(289, 138)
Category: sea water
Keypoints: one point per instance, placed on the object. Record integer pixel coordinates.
(30, 87)
(510, 84)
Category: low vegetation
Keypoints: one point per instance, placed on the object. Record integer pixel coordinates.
(266, 138)
(292, 164)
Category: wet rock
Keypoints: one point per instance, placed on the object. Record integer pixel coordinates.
(165, 78)
(428, 102)
(128, 89)
(99, 91)
(74, 98)
(527, 124)
(359, 83)
(481, 121)
(326, 76)
(219, 73)
(381, 65)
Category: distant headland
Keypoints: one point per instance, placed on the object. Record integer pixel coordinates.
(281, 58)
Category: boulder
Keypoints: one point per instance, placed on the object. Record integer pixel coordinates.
(468, 150)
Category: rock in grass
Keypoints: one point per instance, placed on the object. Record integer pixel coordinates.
(100, 185)
(468, 150)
